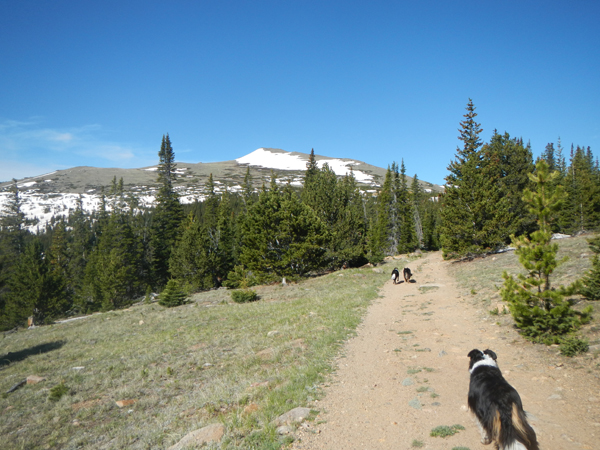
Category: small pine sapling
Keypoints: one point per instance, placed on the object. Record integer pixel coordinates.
(541, 312)
(173, 295)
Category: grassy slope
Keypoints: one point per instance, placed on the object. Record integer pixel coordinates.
(186, 367)
(482, 278)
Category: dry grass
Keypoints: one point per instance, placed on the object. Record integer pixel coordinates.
(207, 361)
(481, 280)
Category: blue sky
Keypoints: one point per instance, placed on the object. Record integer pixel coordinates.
(99, 83)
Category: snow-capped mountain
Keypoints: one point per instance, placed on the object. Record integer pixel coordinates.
(57, 193)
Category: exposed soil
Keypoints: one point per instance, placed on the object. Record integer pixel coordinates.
(406, 372)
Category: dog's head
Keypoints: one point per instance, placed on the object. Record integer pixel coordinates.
(486, 357)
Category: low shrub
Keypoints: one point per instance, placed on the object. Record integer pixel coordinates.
(445, 430)
(244, 295)
(57, 392)
(572, 346)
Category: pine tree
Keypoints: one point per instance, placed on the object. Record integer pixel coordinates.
(248, 189)
(172, 295)
(581, 211)
(386, 227)
(34, 291)
(168, 215)
(590, 287)
(408, 238)
(348, 243)
(540, 311)
(189, 260)
(309, 188)
(59, 270)
(510, 163)
(475, 215)
(226, 247)
(416, 198)
(13, 238)
(282, 235)
(111, 279)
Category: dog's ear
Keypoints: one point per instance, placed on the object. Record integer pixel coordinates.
(474, 353)
(491, 354)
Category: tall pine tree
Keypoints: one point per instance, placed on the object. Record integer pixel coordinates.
(168, 215)
(475, 216)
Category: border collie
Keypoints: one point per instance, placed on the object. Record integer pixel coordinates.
(407, 274)
(497, 406)
(395, 275)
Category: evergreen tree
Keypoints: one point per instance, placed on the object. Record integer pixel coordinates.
(349, 231)
(581, 211)
(248, 189)
(510, 163)
(211, 203)
(111, 279)
(385, 231)
(172, 295)
(282, 236)
(408, 241)
(590, 288)
(59, 270)
(167, 215)
(310, 188)
(79, 249)
(189, 262)
(34, 291)
(226, 245)
(475, 215)
(417, 198)
(13, 237)
(540, 311)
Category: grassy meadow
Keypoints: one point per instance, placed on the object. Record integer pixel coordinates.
(208, 361)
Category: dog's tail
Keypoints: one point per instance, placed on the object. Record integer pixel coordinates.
(516, 433)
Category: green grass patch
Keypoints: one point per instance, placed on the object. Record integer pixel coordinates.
(417, 444)
(445, 430)
(210, 360)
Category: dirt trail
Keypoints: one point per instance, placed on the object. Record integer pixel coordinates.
(378, 398)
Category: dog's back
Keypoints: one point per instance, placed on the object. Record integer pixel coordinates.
(497, 405)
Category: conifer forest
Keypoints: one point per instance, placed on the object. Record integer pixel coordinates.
(85, 262)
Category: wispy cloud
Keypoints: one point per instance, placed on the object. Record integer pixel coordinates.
(29, 147)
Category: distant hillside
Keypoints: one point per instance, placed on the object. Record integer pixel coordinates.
(57, 192)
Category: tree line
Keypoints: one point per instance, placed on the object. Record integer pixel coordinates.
(107, 259)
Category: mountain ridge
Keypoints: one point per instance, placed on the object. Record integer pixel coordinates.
(57, 192)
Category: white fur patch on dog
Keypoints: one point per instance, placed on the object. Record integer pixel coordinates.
(486, 361)
(393, 276)
(515, 446)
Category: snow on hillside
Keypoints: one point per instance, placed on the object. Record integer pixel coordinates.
(286, 161)
(37, 203)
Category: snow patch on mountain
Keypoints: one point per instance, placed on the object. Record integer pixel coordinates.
(287, 161)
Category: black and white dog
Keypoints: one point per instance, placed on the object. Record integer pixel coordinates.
(497, 405)
(407, 274)
(395, 275)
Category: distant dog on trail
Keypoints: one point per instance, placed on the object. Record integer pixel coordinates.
(497, 405)
(395, 275)
(407, 274)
